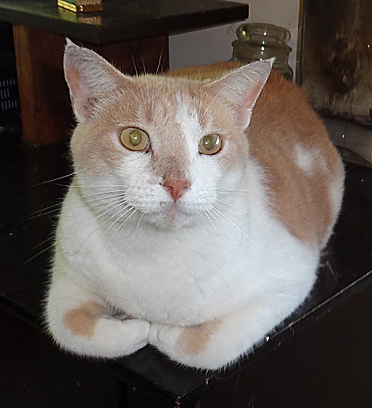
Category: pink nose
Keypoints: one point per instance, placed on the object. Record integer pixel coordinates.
(176, 187)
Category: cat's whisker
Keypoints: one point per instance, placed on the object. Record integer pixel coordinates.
(159, 64)
(144, 66)
(231, 190)
(224, 202)
(116, 205)
(128, 209)
(113, 205)
(105, 197)
(43, 242)
(150, 94)
(59, 178)
(39, 253)
(120, 201)
(99, 226)
(134, 64)
(111, 186)
(231, 222)
(109, 194)
(100, 186)
(153, 100)
(102, 200)
(44, 211)
(140, 220)
(102, 197)
(208, 216)
(211, 214)
(214, 98)
(54, 212)
(123, 222)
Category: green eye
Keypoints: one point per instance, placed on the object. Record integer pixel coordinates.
(210, 144)
(134, 139)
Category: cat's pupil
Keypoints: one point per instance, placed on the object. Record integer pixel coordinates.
(135, 137)
(208, 142)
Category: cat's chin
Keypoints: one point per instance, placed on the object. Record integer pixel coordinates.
(172, 218)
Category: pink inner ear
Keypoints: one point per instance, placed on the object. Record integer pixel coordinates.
(246, 105)
(73, 78)
(242, 87)
(80, 101)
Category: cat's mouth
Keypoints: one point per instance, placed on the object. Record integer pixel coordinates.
(172, 212)
(171, 215)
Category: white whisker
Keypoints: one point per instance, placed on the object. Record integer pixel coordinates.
(231, 222)
(224, 202)
(211, 214)
(59, 178)
(109, 194)
(39, 253)
(43, 242)
(99, 226)
(97, 186)
(117, 218)
(44, 211)
(123, 222)
(209, 218)
(159, 64)
(139, 221)
(229, 190)
(134, 65)
(212, 102)
(108, 208)
(113, 207)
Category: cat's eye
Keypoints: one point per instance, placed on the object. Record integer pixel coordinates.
(210, 144)
(135, 139)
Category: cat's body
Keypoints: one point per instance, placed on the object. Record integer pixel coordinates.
(198, 254)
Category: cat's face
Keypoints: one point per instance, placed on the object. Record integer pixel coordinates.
(166, 151)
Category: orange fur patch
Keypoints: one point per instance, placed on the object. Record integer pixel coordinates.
(82, 321)
(283, 120)
(194, 340)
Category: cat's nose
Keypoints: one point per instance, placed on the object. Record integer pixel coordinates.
(176, 187)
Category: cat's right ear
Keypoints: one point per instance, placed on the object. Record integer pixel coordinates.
(90, 78)
(242, 87)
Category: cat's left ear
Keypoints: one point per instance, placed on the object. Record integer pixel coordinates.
(90, 78)
(242, 87)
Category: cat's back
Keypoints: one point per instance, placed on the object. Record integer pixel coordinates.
(303, 172)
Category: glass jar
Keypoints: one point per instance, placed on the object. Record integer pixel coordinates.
(258, 41)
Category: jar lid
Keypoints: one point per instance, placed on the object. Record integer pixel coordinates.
(263, 33)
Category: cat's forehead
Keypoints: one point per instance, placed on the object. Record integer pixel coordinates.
(169, 101)
(167, 108)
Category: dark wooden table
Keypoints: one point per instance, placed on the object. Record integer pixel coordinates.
(320, 357)
(131, 33)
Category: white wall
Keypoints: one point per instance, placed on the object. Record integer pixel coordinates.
(214, 44)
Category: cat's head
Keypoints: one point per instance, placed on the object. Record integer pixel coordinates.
(156, 149)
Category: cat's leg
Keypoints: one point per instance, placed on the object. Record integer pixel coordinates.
(80, 322)
(217, 343)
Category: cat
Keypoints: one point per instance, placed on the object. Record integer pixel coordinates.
(197, 213)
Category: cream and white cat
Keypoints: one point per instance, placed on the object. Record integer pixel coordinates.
(197, 212)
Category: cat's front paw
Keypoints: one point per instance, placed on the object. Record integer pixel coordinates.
(193, 346)
(91, 330)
